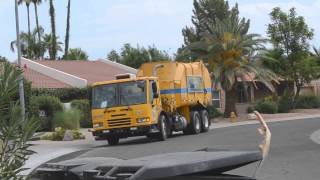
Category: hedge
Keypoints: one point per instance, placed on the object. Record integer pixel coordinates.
(308, 102)
(49, 104)
(84, 106)
(65, 94)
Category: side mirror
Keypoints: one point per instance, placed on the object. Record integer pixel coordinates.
(155, 90)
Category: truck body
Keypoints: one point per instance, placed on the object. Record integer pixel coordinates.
(162, 98)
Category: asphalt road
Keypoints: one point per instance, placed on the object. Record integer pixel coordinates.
(293, 156)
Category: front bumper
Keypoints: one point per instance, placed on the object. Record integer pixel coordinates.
(125, 132)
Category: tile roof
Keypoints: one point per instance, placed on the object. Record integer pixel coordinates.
(42, 81)
(92, 71)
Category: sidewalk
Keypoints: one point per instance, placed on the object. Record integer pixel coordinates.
(48, 150)
(293, 115)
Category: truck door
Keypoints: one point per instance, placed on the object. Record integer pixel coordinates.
(154, 98)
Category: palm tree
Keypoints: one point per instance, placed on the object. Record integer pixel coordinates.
(76, 54)
(49, 41)
(27, 2)
(36, 3)
(66, 43)
(229, 51)
(31, 47)
(53, 38)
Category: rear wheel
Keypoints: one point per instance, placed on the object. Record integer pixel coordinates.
(205, 122)
(164, 128)
(195, 125)
(112, 141)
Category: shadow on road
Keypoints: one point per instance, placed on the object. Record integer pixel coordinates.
(139, 140)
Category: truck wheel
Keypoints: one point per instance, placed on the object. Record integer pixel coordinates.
(205, 122)
(112, 141)
(163, 127)
(195, 126)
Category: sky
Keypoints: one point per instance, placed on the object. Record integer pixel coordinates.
(98, 26)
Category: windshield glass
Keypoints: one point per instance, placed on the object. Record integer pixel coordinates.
(132, 93)
(122, 94)
(104, 96)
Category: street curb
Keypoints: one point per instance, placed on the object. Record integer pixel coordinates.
(249, 122)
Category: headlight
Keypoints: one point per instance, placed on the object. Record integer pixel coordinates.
(142, 120)
(98, 125)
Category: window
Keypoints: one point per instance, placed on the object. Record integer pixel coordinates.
(195, 84)
(216, 98)
(132, 93)
(151, 91)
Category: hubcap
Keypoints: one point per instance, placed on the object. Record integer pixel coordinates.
(197, 123)
(164, 128)
(206, 121)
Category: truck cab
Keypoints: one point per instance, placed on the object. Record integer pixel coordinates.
(127, 106)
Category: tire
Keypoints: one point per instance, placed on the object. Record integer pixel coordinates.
(195, 125)
(112, 141)
(205, 121)
(164, 128)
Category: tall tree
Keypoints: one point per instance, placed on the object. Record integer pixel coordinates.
(76, 54)
(66, 43)
(228, 49)
(31, 47)
(53, 50)
(136, 56)
(113, 56)
(36, 3)
(27, 3)
(49, 41)
(290, 34)
(205, 14)
(3, 59)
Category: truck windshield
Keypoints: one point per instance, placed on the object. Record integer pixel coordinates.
(122, 94)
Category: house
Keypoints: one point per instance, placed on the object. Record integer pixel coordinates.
(48, 74)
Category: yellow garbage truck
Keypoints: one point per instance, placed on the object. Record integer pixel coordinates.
(164, 97)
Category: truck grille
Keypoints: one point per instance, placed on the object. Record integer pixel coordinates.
(119, 122)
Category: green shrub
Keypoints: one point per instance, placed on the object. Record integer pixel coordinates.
(65, 94)
(48, 104)
(214, 112)
(84, 107)
(250, 109)
(308, 102)
(68, 119)
(59, 132)
(267, 107)
(285, 103)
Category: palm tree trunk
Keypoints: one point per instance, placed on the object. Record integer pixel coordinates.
(66, 47)
(29, 30)
(53, 30)
(231, 99)
(37, 20)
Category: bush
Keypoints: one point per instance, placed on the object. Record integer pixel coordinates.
(59, 132)
(308, 102)
(214, 112)
(68, 119)
(250, 109)
(50, 105)
(65, 94)
(285, 103)
(84, 107)
(267, 107)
